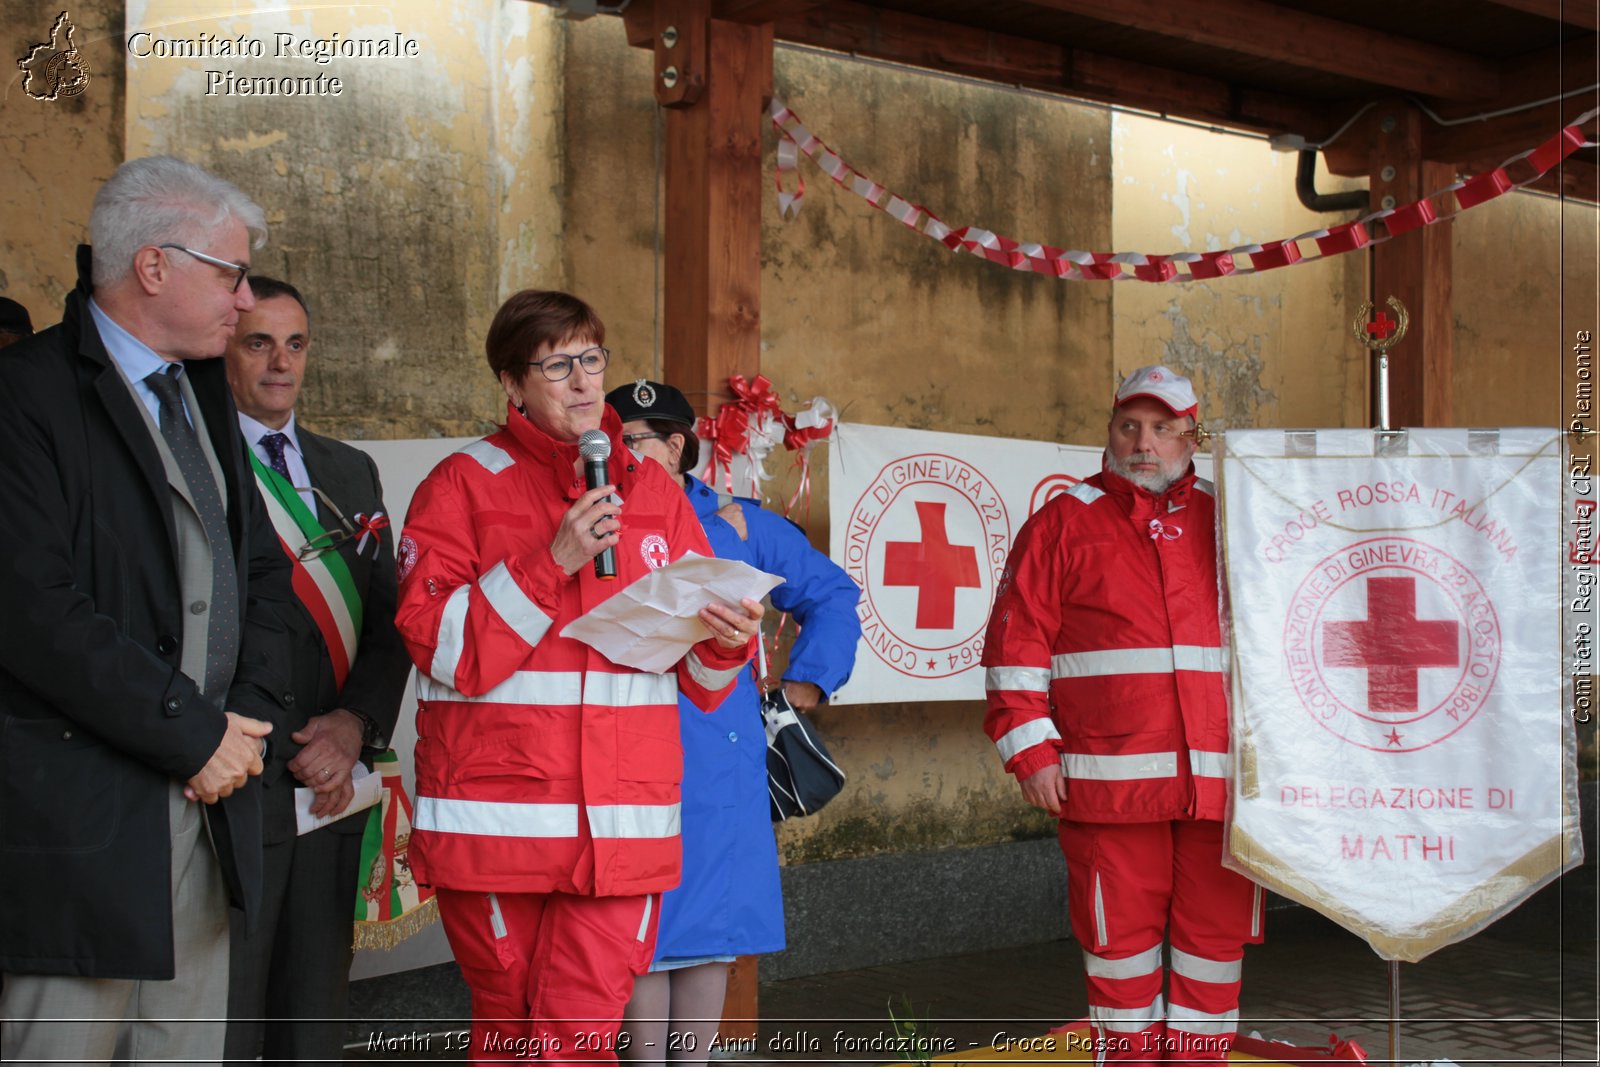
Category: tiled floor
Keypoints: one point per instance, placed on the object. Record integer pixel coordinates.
(1489, 1000)
(1512, 995)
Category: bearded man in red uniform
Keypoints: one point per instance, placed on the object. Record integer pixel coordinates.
(1105, 687)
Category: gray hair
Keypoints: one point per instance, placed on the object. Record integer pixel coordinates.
(163, 200)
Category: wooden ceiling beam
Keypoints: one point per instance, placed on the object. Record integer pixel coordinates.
(1494, 140)
(757, 10)
(1566, 68)
(1575, 179)
(1582, 13)
(639, 23)
(858, 29)
(1269, 31)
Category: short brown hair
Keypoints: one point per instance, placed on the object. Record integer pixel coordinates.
(689, 458)
(533, 318)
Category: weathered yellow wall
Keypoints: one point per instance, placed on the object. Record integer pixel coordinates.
(405, 207)
(1522, 262)
(56, 152)
(1272, 349)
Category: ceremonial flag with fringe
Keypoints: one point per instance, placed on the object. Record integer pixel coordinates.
(390, 905)
(1404, 756)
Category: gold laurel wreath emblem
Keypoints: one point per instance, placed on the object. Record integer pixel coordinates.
(1380, 344)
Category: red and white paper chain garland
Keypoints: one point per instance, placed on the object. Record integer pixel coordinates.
(1371, 229)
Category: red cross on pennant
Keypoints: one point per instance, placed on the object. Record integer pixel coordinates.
(1392, 644)
(1382, 326)
(935, 566)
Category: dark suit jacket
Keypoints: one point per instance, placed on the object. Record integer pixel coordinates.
(96, 719)
(378, 676)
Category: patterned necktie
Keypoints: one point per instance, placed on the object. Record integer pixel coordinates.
(275, 443)
(222, 633)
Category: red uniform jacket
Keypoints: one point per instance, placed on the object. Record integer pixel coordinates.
(541, 765)
(1104, 651)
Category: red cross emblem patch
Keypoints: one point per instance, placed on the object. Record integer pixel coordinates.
(655, 552)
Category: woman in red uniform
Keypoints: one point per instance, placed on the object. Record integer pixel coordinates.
(547, 811)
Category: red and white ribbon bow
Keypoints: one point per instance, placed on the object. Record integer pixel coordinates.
(1164, 531)
(369, 527)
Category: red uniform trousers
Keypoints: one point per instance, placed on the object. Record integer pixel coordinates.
(1131, 886)
(549, 972)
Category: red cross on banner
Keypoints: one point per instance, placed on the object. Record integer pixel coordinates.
(1392, 644)
(935, 566)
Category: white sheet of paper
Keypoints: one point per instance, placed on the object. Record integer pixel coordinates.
(651, 623)
(369, 790)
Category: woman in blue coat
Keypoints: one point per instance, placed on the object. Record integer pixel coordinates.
(729, 902)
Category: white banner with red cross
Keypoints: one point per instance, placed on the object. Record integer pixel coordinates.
(1404, 760)
(923, 522)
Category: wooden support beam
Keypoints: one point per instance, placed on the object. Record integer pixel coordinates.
(1574, 179)
(639, 23)
(741, 1005)
(680, 46)
(1282, 34)
(1582, 13)
(1416, 267)
(1475, 148)
(758, 10)
(915, 40)
(1495, 141)
(1543, 76)
(712, 289)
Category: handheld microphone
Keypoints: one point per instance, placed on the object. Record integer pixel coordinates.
(595, 448)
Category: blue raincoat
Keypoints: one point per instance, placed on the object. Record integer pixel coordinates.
(730, 903)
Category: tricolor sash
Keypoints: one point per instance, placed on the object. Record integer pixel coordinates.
(322, 584)
(390, 905)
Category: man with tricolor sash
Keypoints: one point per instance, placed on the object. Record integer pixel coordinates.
(290, 980)
(1105, 687)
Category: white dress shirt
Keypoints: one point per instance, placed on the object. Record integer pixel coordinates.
(254, 431)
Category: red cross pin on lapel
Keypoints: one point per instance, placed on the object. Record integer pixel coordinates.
(1381, 333)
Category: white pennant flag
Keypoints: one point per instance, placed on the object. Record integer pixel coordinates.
(1405, 757)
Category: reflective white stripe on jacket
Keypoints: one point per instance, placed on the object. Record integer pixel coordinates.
(541, 765)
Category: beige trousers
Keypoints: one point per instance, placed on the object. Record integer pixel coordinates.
(95, 1020)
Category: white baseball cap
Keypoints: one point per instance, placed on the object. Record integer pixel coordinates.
(1163, 384)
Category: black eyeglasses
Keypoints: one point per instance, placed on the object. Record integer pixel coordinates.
(331, 539)
(242, 268)
(632, 439)
(558, 365)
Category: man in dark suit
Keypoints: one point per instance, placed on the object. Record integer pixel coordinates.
(144, 606)
(290, 979)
